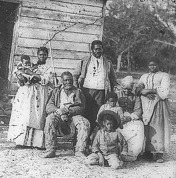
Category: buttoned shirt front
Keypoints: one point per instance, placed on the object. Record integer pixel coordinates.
(65, 99)
(108, 142)
(95, 74)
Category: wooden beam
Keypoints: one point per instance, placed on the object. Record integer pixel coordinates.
(11, 1)
(66, 8)
(63, 54)
(98, 3)
(58, 25)
(62, 36)
(63, 45)
(59, 16)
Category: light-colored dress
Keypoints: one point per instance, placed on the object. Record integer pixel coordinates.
(133, 131)
(28, 111)
(156, 114)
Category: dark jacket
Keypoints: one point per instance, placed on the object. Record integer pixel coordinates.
(76, 109)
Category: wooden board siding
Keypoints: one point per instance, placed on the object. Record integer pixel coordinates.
(78, 23)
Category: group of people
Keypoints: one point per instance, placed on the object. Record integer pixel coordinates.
(118, 120)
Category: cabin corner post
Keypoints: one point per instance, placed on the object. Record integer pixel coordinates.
(13, 48)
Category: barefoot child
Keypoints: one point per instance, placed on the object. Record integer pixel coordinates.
(108, 144)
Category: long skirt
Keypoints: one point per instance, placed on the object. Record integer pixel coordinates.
(157, 132)
(28, 116)
(133, 133)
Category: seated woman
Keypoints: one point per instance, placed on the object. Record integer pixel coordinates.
(133, 127)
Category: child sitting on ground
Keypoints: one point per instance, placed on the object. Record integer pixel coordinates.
(108, 144)
(25, 71)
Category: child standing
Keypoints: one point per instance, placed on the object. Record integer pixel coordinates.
(108, 144)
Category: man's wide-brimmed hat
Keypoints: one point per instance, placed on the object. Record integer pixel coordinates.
(116, 117)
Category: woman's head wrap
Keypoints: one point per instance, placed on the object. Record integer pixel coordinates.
(127, 82)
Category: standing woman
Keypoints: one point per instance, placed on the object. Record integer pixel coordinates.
(28, 112)
(155, 87)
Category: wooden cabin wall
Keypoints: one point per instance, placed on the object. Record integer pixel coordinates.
(78, 23)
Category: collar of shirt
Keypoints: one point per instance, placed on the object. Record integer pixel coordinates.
(93, 58)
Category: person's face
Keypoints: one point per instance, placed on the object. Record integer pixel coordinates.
(108, 125)
(112, 102)
(153, 67)
(26, 62)
(128, 90)
(42, 56)
(97, 50)
(67, 82)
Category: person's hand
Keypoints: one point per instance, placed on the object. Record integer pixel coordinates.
(145, 92)
(21, 77)
(29, 72)
(101, 159)
(64, 110)
(126, 119)
(151, 96)
(37, 77)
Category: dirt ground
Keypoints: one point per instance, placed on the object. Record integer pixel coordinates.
(28, 163)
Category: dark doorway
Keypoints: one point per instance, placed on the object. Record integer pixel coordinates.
(8, 16)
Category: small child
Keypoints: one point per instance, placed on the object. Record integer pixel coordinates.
(111, 104)
(24, 70)
(108, 144)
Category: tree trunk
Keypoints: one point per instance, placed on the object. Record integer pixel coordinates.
(129, 62)
(119, 59)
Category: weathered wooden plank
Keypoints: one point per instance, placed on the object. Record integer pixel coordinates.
(66, 7)
(65, 36)
(58, 71)
(58, 63)
(13, 1)
(98, 3)
(57, 25)
(56, 53)
(63, 45)
(61, 16)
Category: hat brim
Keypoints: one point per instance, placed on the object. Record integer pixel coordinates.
(116, 117)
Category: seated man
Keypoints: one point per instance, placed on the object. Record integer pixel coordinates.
(67, 103)
(133, 127)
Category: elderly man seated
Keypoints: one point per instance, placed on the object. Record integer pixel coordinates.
(67, 103)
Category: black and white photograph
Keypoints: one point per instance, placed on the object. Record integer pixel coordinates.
(87, 89)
